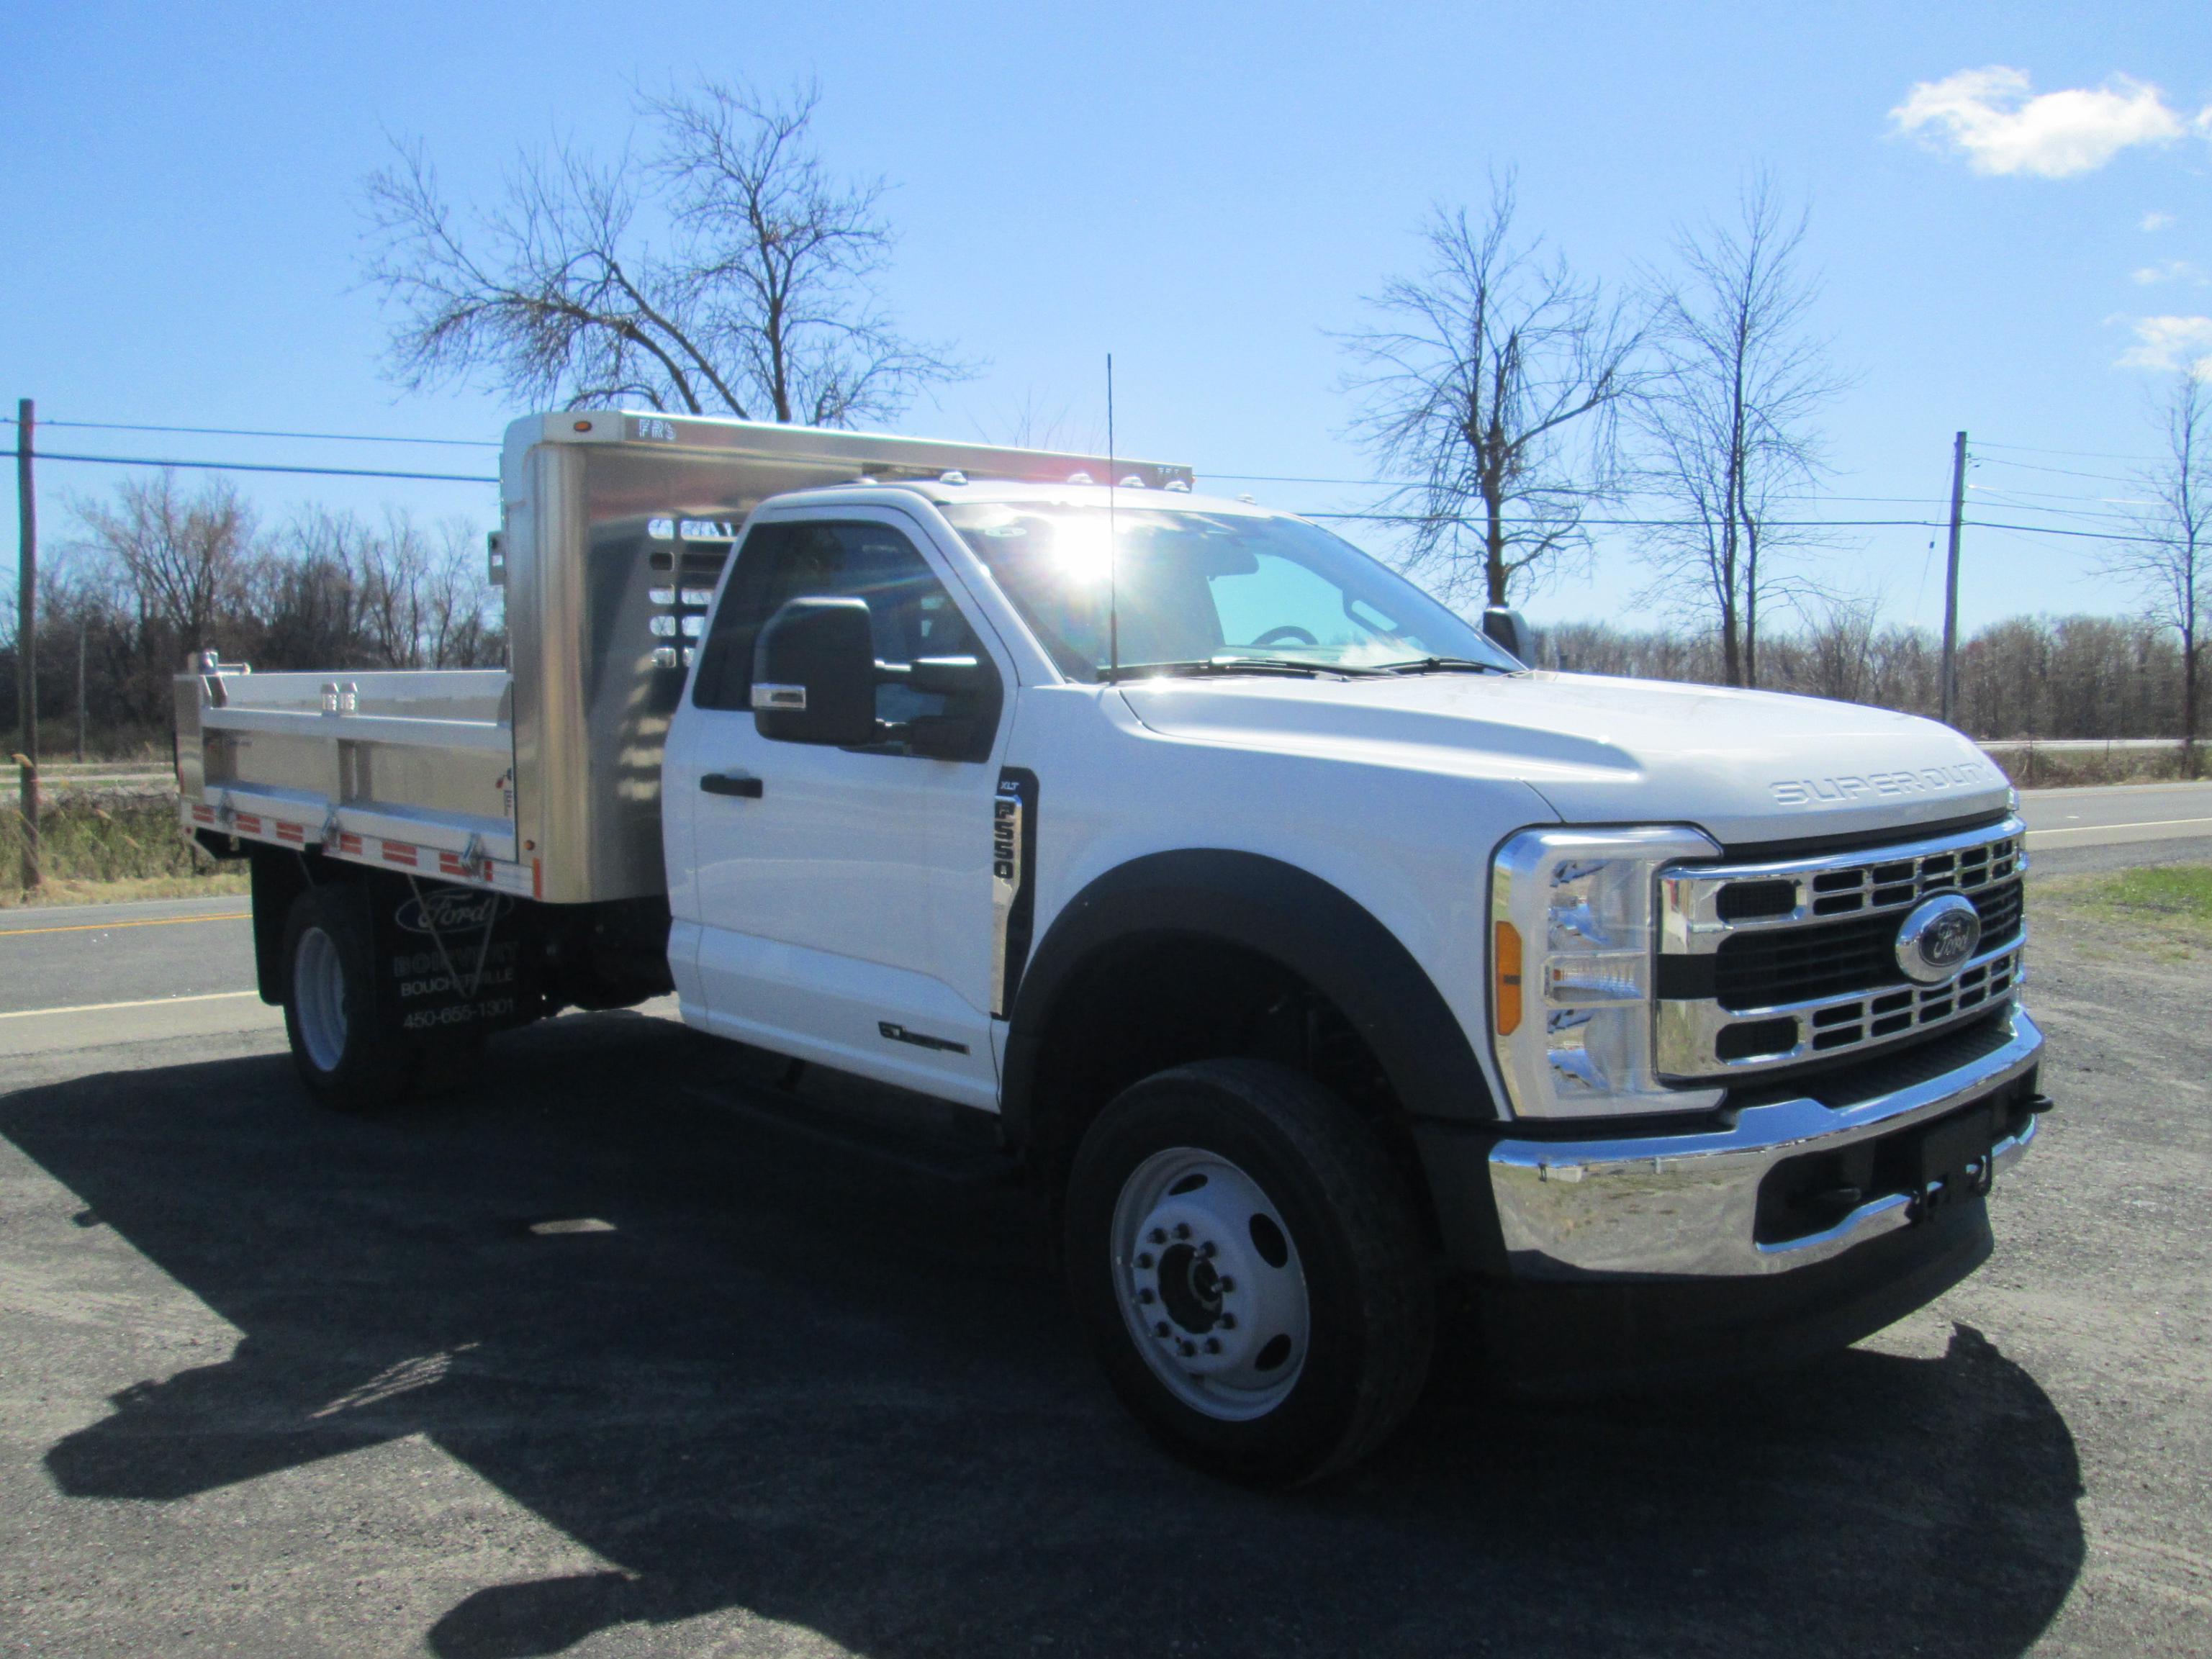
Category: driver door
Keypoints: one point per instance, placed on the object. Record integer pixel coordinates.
(841, 897)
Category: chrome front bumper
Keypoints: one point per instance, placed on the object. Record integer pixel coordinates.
(1685, 1206)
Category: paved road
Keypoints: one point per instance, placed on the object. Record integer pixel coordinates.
(79, 976)
(2111, 816)
(606, 1359)
(601, 1360)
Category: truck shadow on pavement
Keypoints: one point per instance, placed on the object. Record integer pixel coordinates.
(782, 1380)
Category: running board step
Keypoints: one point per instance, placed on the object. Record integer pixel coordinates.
(889, 1126)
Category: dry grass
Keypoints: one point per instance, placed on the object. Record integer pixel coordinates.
(100, 846)
(229, 878)
(2075, 770)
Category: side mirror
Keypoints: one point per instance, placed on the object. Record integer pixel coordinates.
(814, 674)
(1509, 629)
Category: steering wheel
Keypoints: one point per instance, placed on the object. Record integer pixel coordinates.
(1288, 634)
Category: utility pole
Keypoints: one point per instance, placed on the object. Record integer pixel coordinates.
(79, 687)
(26, 635)
(1950, 691)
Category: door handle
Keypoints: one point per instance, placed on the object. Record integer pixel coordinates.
(731, 783)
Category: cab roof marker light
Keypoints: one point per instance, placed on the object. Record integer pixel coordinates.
(1133, 481)
(1080, 477)
(1180, 486)
(952, 475)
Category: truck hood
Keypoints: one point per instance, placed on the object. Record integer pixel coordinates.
(1744, 766)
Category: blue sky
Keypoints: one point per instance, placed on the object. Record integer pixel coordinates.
(1203, 190)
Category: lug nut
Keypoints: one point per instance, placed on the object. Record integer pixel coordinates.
(1213, 1345)
(1227, 1322)
(1207, 1250)
(1183, 1230)
(1158, 1236)
(1160, 1329)
(1144, 1258)
(1225, 1284)
(1146, 1297)
(1186, 1347)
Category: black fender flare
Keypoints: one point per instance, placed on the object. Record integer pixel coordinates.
(1278, 911)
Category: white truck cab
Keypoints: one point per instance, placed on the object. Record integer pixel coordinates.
(1307, 950)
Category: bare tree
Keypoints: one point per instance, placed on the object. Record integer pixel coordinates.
(338, 591)
(178, 566)
(1035, 424)
(1730, 445)
(458, 631)
(2167, 562)
(180, 558)
(761, 299)
(1495, 388)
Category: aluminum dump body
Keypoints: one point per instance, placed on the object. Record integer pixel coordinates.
(544, 779)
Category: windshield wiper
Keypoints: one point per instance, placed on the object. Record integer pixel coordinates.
(1212, 665)
(1446, 666)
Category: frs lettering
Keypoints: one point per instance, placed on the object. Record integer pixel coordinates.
(1806, 792)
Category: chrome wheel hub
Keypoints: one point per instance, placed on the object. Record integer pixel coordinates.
(319, 998)
(1210, 1284)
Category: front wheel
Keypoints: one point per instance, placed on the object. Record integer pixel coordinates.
(1246, 1261)
(330, 1006)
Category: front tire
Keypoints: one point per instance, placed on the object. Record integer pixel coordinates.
(1246, 1261)
(329, 1006)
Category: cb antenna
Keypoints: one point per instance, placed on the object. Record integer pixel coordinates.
(1113, 544)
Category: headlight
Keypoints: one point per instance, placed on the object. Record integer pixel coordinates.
(1573, 938)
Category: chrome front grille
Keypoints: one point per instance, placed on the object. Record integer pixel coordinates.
(1774, 964)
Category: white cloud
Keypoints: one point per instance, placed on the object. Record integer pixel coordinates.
(1989, 116)
(2171, 342)
(2158, 222)
(2171, 270)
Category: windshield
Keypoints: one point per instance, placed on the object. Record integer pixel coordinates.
(1218, 590)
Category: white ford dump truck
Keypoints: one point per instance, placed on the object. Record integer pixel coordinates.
(1311, 954)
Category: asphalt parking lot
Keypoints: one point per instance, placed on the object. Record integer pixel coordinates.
(605, 1357)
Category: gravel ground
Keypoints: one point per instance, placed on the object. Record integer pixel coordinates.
(592, 1362)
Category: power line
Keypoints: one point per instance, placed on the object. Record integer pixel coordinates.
(1784, 524)
(1285, 477)
(1666, 524)
(2053, 530)
(1239, 478)
(259, 432)
(2052, 495)
(261, 467)
(1371, 518)
(2086, 454)
(2062, 471)
(2010, 501)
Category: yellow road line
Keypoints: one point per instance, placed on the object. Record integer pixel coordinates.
(102, 926)
(2148, 823)
(147, 1002)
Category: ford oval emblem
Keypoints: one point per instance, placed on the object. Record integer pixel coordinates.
(1938, 939)
(451, 910)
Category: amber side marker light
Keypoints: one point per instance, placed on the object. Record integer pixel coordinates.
(1506, 959)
